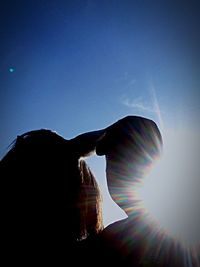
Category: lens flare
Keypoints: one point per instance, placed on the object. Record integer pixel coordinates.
(169, 194)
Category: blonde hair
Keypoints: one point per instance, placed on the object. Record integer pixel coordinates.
(90, 203)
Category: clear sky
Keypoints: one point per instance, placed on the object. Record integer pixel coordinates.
(76, 66)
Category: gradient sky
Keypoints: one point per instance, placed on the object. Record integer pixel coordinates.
(76, 66)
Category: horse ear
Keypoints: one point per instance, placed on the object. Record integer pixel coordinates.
(85, 144)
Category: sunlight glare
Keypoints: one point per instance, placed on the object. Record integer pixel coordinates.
(170, 193)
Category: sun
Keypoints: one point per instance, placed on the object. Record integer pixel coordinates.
(170, 193)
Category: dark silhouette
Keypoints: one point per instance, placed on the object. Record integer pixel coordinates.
(131, 147)
(50, 198)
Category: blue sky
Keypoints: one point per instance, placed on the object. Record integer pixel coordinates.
(76, 66)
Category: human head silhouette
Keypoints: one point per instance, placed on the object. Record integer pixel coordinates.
(49, 191)
(131, 146)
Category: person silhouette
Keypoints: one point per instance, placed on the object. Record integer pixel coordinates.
(132, 146)
(51, 199)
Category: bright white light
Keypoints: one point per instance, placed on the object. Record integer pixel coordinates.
(171, 192)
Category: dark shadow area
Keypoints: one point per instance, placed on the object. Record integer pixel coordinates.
(50, 198)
